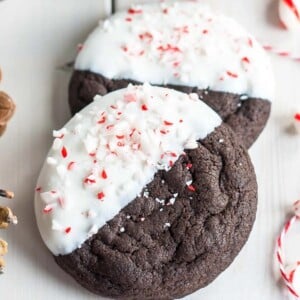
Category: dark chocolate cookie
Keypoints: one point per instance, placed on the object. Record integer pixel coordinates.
(247, 117)
(146, 194)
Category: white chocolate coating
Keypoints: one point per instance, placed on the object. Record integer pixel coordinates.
(104, 156)
(183, 43)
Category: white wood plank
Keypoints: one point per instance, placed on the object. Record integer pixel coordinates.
(39, 36)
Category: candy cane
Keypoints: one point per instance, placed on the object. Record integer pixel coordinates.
(288, 272)
(289, 13)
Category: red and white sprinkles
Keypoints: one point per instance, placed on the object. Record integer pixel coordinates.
(180, 43)
(289, 14)
(104, 157)
(288, 272)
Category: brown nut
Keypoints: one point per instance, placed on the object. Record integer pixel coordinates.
(3, 247)
(7, 217)
(2, 264)
(7, 108)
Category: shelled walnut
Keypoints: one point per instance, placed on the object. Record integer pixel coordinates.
(7, 109)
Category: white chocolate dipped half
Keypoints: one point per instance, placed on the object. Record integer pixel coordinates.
(105, 155)
(182, 43)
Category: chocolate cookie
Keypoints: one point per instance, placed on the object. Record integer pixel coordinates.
(184, 46)
(145, 194)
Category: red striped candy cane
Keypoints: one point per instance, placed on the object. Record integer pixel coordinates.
(289, 13)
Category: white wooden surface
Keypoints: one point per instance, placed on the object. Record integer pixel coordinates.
(37, 36)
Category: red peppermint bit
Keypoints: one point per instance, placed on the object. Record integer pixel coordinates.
(119, 144)
(64, 152)
(231, 74)
(120, 137)
(184, 29)
(100, 196)
(173, 154)
(47, 209)
(102, 120)
(136, 146)
(68, 230)
(164, 131)
(132, 132)
(113, 107)
(297, 117)
(61, 202)
(38, 189)
(191, 188)
(171, 163)
(189, 166)
(93, 154)
(283, 53)
(176, 64)
(130, 98)
(79, 47)
(165, 11)
(133, 11)
(168, 47)
(293, 7)
(124, 48)
(119, 113)
(71, 165)
(167, 123)
(250, 42)
(268, 48)
(180, 121)
(221, 78)
(104, 174)
(108, 127)
(246, 60)
(147, 36)
(144, 107)
(142, 52)
(282, 24)
(89, 180)
(61, 136)
(53, 192)
(95, 161)
(128, 19)
(205, 31)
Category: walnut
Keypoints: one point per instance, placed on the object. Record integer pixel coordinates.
(7, 109)
(3, 251)
(7, 217)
